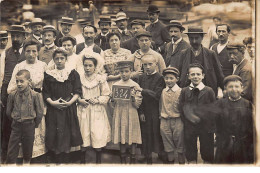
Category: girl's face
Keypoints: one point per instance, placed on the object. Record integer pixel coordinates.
(89, 67)
(234, 89)
(68, 46)
(114, 43)
(125, 73)
(59, 61)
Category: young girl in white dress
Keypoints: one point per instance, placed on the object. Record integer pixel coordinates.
(125, 124)
(94, 124)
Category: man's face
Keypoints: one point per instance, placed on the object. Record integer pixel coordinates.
(195, 40)
(48, 37)
(37, 30)
(234, 89)
(216, 21)
(153, 17)
(144, 42)
(28, 29)
(251, 49)
(17, 39)
(104, 27)
(149, 64)
(65, 28)
(222, 33)
(235, 56)
(175, 33)
(22, 82)
(89, 34)
(121, 24)
(3, 42)
(195, 75)
(31, 54)
(137, 28)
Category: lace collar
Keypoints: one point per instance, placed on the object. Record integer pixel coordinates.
(92, 81)
(60, 75)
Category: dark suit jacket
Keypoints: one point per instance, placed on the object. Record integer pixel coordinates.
(31, 37)
(132, 45)
(126, 36)
(170, 57)
(56, 42)
(213, 72)
(244, 70)
(102, 42)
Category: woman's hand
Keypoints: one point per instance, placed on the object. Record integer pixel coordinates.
(83, 102)
(58, 104)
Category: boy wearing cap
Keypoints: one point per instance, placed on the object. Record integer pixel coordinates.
(66, 25)
(171, 124)
(193, 98)
(101, 39)
(49, 34)
(234, 125)
(174, 48)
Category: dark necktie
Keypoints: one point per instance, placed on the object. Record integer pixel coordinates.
(195, 95)
(123, 32)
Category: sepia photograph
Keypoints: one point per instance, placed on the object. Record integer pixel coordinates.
(129, 83)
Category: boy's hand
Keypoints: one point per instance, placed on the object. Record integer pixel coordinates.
(220, 93)
(142, 117)
(83, 102)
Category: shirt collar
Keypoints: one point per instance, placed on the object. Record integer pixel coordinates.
(121, 31)
(37, 37)
(155, 21)
(25, 92)
(49, 46)
(200, 86)
(196, 52)
(240, 62)
(104, 34)
(176, 42)
(86, 46)
(174, 88)
(152, 73)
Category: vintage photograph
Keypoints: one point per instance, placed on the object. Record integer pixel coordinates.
(128, 82)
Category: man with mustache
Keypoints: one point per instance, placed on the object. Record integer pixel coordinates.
(121, 23)
(49, 35)
(223, 31)
(174, 48)
(66, 25)
(160, 35)
(89, 33)
(101, 39)
(37, 26)
(197, 53)
(13, 56)
(242, 67)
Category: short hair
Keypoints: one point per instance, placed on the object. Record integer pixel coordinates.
(24, 72)
(111, 34)
(196, 65)
(59, 50)
(91, 59)
(223, 24)
(248, 40)
(88, 25)
(31, 42)
(149, 56)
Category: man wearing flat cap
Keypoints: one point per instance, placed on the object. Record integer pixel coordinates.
(101, 39)
(121, 23)
(160, 35)
(197, 53)
(37, 26)
(13, 56)
(174, 48)
(49, 35)
(242, 67)
(66, 25)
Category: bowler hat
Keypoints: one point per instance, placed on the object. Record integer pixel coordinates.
(120, 16)
(153, 9)
(232, 78)
(37, 21)
(171, 70)
(176, 23)
(143, 33)
(137, 22)
(3, 34)
(17, 28)
(235, 45)
(49, 28)
(124, 64)
(195, 30)
(66, 38)
(104, 19)
(67, 20)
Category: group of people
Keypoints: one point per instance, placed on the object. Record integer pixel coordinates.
(141, 88)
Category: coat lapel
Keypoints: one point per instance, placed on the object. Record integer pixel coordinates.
(238, 69)
(202, 92)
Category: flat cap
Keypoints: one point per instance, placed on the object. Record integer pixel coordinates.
(195, 30)
(176, 23)
(231, 78)
(171, 70)
(143, 33)
(137, 22)
(235, 45)
(104, 19)
(121, 16)
(124, 64)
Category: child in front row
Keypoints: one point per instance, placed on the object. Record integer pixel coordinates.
(171, 124)
(192, 98)
(25, 108)
(125, 125)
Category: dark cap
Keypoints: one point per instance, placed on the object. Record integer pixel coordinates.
(235, 45)
(84, 21)
(231, 78)
(49, 28)
(17, 28)
(67, 20)
(171, 70)
(66, 38)
(153, 9)
(195, 30)
(124, 64)
(104, 19)
(143, 33)
(3, 34)
(137, 22)
(176, 23)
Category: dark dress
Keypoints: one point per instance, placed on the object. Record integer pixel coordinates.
(62, 126)
(234, 132)
(152, 86)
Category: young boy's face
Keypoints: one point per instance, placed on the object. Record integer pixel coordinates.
(234, 89)
(149, 64)
(170, 80)
(125, 73)
(195, 75)
(22, 82)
